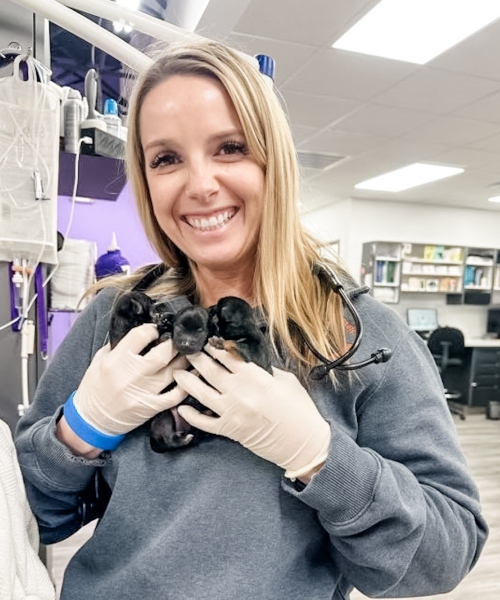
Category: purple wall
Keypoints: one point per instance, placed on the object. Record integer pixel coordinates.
(96, 222)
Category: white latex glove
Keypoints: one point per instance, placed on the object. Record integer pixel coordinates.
(121, 389)
(271, 415)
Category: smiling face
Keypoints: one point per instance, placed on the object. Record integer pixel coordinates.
(206, 189)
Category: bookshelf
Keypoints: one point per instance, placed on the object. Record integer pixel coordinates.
(464, 275)
(432, 268)
(382, 261)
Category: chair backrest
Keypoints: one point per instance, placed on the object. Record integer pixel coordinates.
(447, 345)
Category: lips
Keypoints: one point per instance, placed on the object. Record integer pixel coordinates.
(214, 221)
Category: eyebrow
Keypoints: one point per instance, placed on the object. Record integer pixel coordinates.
(228, 133)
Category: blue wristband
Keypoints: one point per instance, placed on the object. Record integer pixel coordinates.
(85, 431)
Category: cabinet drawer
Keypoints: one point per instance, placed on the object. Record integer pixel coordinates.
(486, 379)
(487, 356)
(480, 396)
(486, 368)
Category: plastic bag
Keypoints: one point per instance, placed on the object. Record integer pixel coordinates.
(29, 164)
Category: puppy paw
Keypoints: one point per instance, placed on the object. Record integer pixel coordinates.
(216, 342)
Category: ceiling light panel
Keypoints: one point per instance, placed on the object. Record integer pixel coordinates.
(416, 31)
(408, 177)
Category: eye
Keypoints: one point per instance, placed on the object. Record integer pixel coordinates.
(232, 147)
(164, 160)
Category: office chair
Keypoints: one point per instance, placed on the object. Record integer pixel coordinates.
(448, 349)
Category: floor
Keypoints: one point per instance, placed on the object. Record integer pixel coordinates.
(480, 438)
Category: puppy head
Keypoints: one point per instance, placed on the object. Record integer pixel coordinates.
(191, 329)
(134, 307)
(234, 315)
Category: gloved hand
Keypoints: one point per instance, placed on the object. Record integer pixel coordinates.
(121, 389)
(271, 415)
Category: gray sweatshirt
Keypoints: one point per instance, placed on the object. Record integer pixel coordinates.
(393, 512)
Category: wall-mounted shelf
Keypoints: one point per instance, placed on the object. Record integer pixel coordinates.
(464, 275)
(431, 268)
(100, 177)
(384, 270)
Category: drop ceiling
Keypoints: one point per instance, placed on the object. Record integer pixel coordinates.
(378, 114)
(368, 115)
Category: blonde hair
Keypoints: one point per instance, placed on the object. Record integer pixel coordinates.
(284, 285)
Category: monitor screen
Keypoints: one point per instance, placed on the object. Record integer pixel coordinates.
(422, 319)
(493, 322)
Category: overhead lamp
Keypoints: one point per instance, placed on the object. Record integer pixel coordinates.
(416, 31)
(494, 199)
(122, 27)
(408, 177)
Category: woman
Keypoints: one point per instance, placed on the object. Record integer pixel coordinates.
(312, 486)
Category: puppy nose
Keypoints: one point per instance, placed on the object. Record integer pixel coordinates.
(186, 347)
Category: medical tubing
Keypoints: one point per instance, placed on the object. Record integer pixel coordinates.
(85, 431)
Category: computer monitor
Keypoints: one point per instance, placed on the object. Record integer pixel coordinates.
(493, 322)
(422, 319)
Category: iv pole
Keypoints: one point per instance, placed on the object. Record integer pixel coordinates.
(61, 13)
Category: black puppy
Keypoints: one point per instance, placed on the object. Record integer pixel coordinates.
(238, 332)
(132, 309)
(230, 324)
(189, 329)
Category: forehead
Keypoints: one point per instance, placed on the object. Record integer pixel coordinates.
(179, 93)
(186, 105)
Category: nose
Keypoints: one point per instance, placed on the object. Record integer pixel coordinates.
(202, 183)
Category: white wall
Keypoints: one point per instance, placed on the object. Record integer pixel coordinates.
(354, 222)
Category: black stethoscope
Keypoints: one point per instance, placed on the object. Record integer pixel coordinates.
(320, 371)
(380, 356)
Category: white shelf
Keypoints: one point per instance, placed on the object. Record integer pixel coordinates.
(477, 261)
(413, 274)
(432, 262)
(382, 284)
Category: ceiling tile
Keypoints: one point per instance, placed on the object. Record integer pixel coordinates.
(470, 157)
(477, 55)
(298, 21)
(316, 111)
(348, 75)
(452, 131)
(490, 143)
(487, 108)
(437, 91)
(287, 56)
(346, 143)
(384, 120)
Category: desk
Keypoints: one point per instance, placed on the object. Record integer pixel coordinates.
(479, 381)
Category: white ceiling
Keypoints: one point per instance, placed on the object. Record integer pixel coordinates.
(379, 114)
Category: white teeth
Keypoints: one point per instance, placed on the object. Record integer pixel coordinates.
(212, 222)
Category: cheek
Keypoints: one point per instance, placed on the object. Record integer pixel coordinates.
(161, 197)
(251, 186)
